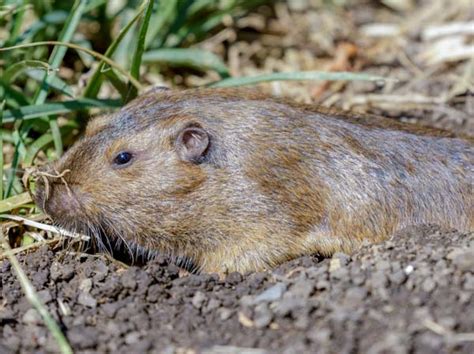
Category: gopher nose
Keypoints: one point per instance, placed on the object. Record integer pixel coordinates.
(62, 201)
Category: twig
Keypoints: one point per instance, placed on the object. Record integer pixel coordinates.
(447, 49)
(395, 100)
(46, 227)
(448, 334)
(465, 82)
(381, 30)
(448, 29)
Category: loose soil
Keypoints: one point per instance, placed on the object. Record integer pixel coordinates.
(411, 294)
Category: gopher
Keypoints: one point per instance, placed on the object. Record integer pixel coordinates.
(233, 180)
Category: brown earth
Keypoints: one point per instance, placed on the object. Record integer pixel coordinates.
(411, 294)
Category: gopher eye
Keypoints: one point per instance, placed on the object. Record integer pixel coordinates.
(123, 158)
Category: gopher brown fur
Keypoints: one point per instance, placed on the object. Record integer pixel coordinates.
(237, 181)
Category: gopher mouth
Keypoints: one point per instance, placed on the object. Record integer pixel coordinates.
(125, 251)
(133, 253)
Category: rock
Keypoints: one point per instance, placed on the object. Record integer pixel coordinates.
(379, 280)
(101, 270)
(62, 271)
(31, 317)
(86, 299)
(383, 265)
(85, 285)
(212, 305)
(398, 278)
(225, 313)
(286, 306)
(128, 279)
(464, 260)
(428, 285)
(334, 264)
(83, 337)
(198, 299)
(319, 335)
(469, 282)
(45, 296)
(302, 289)
(355, 296)
(233, 278)
(271, 294)
(409, 269)
(323, 284)
(110, 309)
(132, 337)
(343, 258)
(339, 273)
(263, 316)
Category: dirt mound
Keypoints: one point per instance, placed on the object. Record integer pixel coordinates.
(413, 293)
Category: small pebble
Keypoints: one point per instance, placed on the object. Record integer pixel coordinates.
(409, 269)
(85, 285)
(31, 317)
(428, 285)
(132, 337)
(271, 294)
(86, 299)
(198, 299)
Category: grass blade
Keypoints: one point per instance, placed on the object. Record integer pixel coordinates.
(93, 86)
(10, 74)
(55, 60)
(36, 111)
(181, 15)
(12, 180)
(13, 96)
(102, 57)
(205, 15)
(2, 105)
(118, 84)
(165, 12)
(55, 82)
(47, 138)
(189, 57)
(94, 4)
(297, 76)
(14, 202)
(17, 23)
(33, 69)
(137, 56)
(34, 148)
(52, 18)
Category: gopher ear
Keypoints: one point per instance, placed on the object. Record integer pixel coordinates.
(192, 144)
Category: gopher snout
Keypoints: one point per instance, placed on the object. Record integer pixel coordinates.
(54, 195)
(62, 201)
